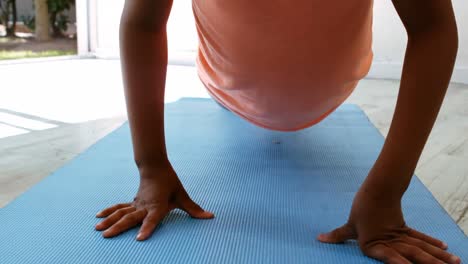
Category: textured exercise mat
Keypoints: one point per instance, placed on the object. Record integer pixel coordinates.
(272, 193)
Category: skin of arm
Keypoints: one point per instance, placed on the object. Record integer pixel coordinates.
(143, 45)
(376, 219)
(144, 62)
(429, 61)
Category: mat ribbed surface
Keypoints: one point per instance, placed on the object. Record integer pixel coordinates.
(272, 193)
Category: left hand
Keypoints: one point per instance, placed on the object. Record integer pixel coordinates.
(380, 229)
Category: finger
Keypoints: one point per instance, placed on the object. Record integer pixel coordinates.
(433, 250)
(114, 217)
(428, 239)
(385, 254)
(415, 254)
(194, 210)
(150, 223)
(125, 223)
(110, 210)
(338, 235)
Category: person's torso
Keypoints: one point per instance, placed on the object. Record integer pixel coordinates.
(283, 64)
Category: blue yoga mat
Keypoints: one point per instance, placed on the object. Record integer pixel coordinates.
(272, 193)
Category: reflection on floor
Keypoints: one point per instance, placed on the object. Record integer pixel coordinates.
(44, 123)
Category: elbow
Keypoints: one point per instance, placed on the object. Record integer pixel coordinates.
(443, 36)
(140, 24)
(443, 31)
(453, 39)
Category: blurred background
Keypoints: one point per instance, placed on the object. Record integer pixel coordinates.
(23, 37)
(61, 89)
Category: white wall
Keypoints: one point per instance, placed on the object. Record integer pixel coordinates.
(389, 36)
(389, 41)
(182, 37)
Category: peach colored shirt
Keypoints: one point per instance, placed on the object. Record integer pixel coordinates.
(281, 64)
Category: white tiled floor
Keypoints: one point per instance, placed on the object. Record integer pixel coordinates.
(51, 111)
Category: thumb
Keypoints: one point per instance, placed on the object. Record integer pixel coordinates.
(193, 209)
(338, 235)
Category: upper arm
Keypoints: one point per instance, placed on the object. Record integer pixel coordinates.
(420, 16)
(147, 14)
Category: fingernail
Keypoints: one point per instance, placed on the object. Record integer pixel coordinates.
(98, 214)
(209, 214)
(455, 259)
(444, 245)
(140, 236)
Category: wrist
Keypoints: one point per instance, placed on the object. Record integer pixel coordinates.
(386, 184)
(380, 194)
(149, 166)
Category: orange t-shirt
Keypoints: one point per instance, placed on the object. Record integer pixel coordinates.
(280, 64)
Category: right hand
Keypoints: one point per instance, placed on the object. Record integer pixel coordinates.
(160, 192)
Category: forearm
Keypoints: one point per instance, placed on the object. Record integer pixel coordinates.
(427, 69)
(143, 45)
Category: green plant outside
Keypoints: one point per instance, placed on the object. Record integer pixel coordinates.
(11, 55)
(11, 40)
